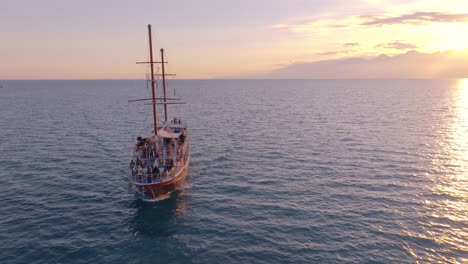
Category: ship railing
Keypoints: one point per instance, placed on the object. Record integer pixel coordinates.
(179, 169)
(151, 178)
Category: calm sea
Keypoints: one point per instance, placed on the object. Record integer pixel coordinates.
(281, 172)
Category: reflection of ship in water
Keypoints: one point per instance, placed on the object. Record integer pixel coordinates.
(162, 222)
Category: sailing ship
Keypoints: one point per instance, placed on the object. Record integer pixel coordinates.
(161, 160)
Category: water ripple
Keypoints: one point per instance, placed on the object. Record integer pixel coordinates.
(281, 172)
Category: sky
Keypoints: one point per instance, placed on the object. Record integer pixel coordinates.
(102, 39)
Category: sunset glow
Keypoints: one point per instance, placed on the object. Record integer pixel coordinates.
(87, 40)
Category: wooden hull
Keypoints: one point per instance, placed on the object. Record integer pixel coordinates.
(156, 191)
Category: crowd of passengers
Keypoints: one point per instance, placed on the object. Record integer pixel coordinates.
(146, 161)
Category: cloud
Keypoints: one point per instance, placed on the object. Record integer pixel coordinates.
(418, 18)
(351, 44)
(397, 45)
(328, 53)
(366, 21)
(412, 64)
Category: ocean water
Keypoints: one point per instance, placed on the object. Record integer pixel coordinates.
(289, 171)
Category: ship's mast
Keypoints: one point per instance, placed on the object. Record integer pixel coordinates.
(153, 82)
(164, 84)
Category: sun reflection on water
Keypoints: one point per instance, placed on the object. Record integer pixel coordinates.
(446, 220)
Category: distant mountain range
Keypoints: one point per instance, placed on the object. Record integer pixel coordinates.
(412, 64)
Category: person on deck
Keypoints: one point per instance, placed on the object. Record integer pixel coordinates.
(156, 171)
(151, 151)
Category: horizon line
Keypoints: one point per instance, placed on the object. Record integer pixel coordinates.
(234, 79)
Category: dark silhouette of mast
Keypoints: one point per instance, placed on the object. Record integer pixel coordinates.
(164, 84)
(153, 83)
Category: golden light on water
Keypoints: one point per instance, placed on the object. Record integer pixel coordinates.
(448, 208)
